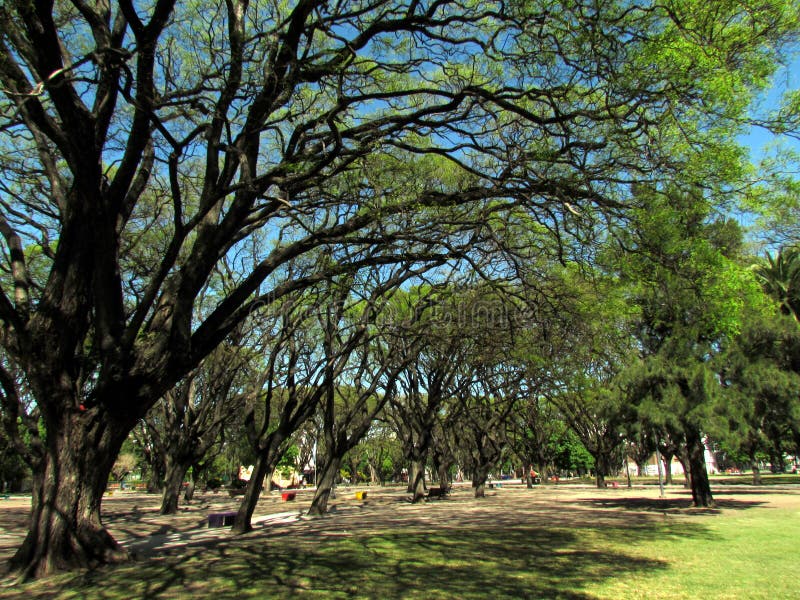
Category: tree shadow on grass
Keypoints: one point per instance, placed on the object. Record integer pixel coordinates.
(506, 547)
(768, 480)
(469, 549)
(468, 563)
(668, 505)
(756, 491)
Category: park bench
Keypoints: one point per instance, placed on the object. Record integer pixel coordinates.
(236, 492)
(438, 492)
(222, 519)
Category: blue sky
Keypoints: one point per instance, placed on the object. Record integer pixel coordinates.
(759, 140)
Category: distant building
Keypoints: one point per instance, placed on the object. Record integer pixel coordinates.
(651, 468)
(711, 459)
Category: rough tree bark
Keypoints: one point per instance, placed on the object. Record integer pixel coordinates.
(701, 488)
(416, 479)
(265, 464)
(319, 504)
(444, 474)
(173, 482)
(600, 469)
(480, 474)
(599, 476)
(65, 529)
(667, 467)
(683, 459)
(411, 477)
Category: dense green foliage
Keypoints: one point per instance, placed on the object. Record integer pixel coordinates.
(543, 185)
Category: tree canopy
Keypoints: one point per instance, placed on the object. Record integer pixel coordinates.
(170, 169)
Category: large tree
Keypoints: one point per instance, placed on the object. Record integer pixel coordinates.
(430, 351)
(691, 293)
(353, 399)
(493, 334)
(286, 392)
(590, 355)
(485, 410)
(762, 389)
(189, 421)
(594, 413)
(209, 121)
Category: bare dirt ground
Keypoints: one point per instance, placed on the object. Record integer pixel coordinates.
(550, 541)
(134, 518)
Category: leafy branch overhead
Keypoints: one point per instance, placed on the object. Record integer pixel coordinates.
(171, 168)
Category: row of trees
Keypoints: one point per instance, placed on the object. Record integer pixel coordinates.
(173, 171)
(471, 376)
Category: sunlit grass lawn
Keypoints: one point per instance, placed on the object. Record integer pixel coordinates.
(518, 544)
(740, 553)
(767, 479)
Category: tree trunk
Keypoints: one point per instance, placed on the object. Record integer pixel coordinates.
(412, 476)
(265, 463)
(417, 485)
(198, 477)
(667, 468)
(65, 530)
(600, 478)
(600, 469)
(479, 476)
(444, 475)
(756, 470)
(373, 475)
(353, 464)
(683, 458)
(173, 481)
(319, 505)
(153, 486)
(155, 472)
(701, 488)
